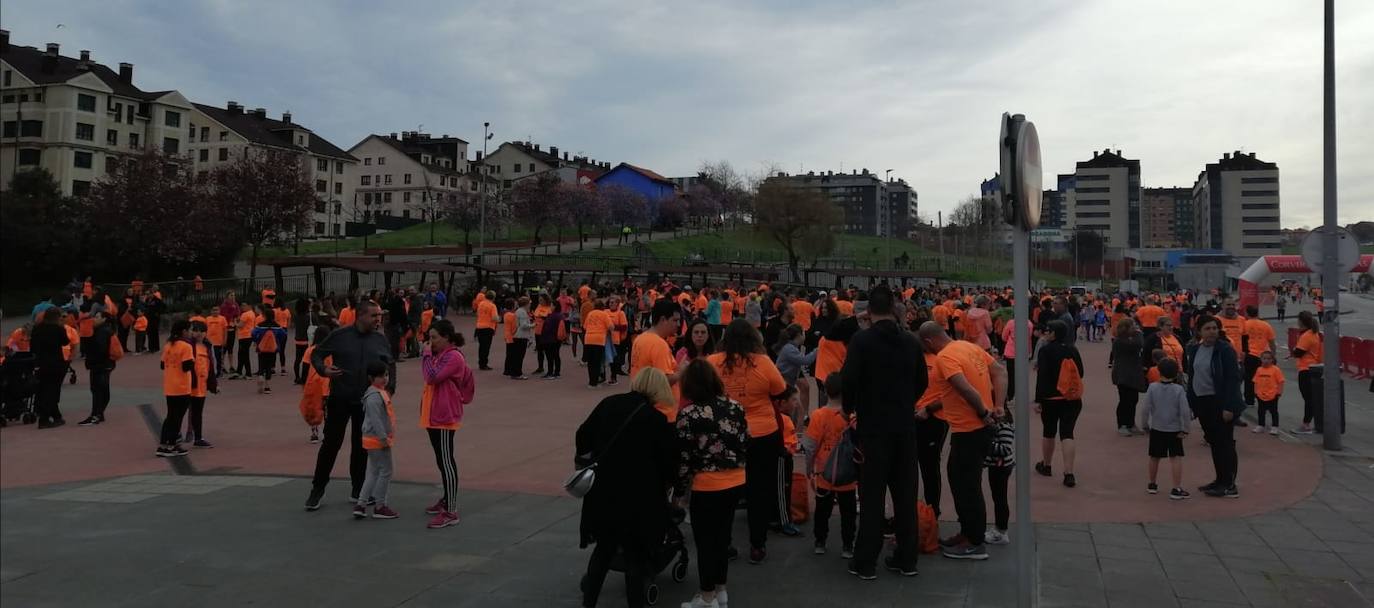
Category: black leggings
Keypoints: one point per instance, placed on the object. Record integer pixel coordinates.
(1059, 415)
(297, 369)
(763, 485)
(595, 357)
(825, 502)
(553, 359)
(1126, 398)
(1309, 405)
(712, 516)
(441, 441)
(930, 443)
(245, 368)
(997, 483)
(176, 412)
(197, 407)
(600, 563)
(1271, 408)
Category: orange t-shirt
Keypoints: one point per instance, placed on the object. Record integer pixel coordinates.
(282, 316)
(202, 371)
(176, 382)
(1233, 328)
(73, 338)
(247, 321)
(347, 316)
(846, 308)
(377, 443)
(1268, 383)
(486, 314)
(752, 384)
(826, 429)
(829, 357)
(1149, 315)
(1310, 343)
(85, 326)
(426, 318)
(941, 315)
(582, 293)
(509, 320)
(727, 311)
(651, 350)
(1172, 348)
(965, 358)
(802, 312)
(1152, 375)
(1260, 333)
(21, 341)
(715, 481)
(936, 385)
(618, 321)
(215, 326)
(596, 324)
(141, 324)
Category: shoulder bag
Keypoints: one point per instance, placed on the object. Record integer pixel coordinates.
(580, 482)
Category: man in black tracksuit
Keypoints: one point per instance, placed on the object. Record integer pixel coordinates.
(99, 365)
(884, 375)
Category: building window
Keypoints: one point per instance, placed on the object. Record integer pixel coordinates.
(322, 165)
(1261, 245)
(319, 227)
(473, 186)
(367, 161)
(1249, 193)
(172, 119)
(9, 77)
(112, 137)
(405, 179)
(171, 146)
(381, 160)
(7, 99)
(405, 197)
(129, 114)
(1093, 190)
(336, 230)
(387, 179)
(85, 103)
(30, 156)
(338, 188)
(111, 163)
(505, 184)
(405, 213)
(517, 168)
(1258, 206)
(31, 128)
(367, 198)
(85, 132)
(386, 197)
(133, 140)
(338, 166)
(321, 186)
(204, 155)
(11, 129)
(205, 133)
(224, 136)
(1259, 180)
(338, 208)
(367, 180)
(224, 154)
(80, 188)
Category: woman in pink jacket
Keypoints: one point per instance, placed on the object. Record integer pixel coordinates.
(449, 385)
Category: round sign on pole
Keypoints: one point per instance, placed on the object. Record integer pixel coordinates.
(1020, 179)
(1347, 249)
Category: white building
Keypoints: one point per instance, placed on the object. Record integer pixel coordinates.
(515, 160)
(1106, 198)
(408, 176)
(1236, 206)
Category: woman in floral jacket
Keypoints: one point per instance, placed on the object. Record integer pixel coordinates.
(712, 432)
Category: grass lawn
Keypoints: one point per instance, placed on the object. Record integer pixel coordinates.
(415, 236)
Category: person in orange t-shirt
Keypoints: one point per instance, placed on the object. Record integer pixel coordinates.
(825, 431)
(651, 349)
(803, 313)
(248, 320)
(1268, 381)
(1308, 352)
(1257, 338)
(596, 324)
(178, 376)
(752, 379)
(202, 385)
(485, 329)
(216, 333)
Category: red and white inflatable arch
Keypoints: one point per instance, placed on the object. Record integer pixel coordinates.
(1250, 279)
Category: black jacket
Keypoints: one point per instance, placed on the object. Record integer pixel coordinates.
(1225, 375)
(1127, 369)
(1051, 358)
(352, 351)
(98, 352)
(630, 497)
(884, 375)
(46, 342)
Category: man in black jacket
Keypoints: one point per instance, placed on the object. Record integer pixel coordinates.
(884, 375)
(99, 364)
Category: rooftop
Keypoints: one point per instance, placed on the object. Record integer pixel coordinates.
(259, 129)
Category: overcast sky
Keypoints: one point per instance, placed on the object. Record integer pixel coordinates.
(915, 86)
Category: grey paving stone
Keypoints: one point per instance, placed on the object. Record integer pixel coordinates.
(1261, 566)
(1144, 553)
(1063, 535)
(1194, 567)
(1215, 589)
(1314, 591)
(1160, 599)
(1260, 552)
(1288, 537)
(1318, 564)
(1056, 548)
(1195, 545)
(1259, 589)
(1172, 530)
(1130, 568)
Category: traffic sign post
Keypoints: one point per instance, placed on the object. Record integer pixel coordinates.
(1020, 192)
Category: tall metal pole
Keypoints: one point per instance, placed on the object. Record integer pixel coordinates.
(1331, 274)
(940, 218)
(1025, 546)
(482, 204)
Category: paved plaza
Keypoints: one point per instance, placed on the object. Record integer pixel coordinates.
(88, 517)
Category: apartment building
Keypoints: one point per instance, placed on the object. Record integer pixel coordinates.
(901, 207)
(1236, 206)
(1166, 217)
(515, 160)
(863, 196)
(1105, 198)
(220, 135)
(77, 117)
(408, 176)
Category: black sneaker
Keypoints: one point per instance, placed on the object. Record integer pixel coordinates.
(1231, 492)
(51, 424)
(163, 452)
(864, 574)
(1205, 488)
(756, 555)
(1153, 488)
(313, 502)
(203, 444)
(1043, 469)
(891, 564)
(177, 450)
(966, 551)
(1179, 494)
(1069, 480)
(91, 421)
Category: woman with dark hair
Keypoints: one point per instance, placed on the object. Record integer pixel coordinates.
(791, 361)
(626, 510)
(1128, 373)
(449, 385)
(1058, 413)
(752, 379)
(698, 344)
(46, 342)
(178, 373)
(713, 434)
(1214, 395)
(772, 330)
(829, 315)
(550, 340)
(1308, 352)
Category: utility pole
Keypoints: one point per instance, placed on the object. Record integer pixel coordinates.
(1331, 273)
(482, 205)
(940, 218)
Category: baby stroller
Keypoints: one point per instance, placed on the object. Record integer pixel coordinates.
(18, 387)
(674, 547)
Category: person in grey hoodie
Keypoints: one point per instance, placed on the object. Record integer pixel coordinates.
(352, 348)
(379, 433)
(1167, 417)
(791, 361)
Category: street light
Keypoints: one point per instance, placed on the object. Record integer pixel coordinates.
(482, 205)
(887, 241)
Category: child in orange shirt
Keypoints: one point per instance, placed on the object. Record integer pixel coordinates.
(316, 387)
(787, 404)
(140, 333)
(1268, 388)
(1152, 375)
(824, 432)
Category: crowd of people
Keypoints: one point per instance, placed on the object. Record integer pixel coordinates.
(721, 382)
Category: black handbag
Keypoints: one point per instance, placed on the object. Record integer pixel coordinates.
(580, 482)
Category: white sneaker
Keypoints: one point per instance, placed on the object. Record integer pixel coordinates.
(1257, 429)
(996, 537)
(722, 598)
(697, 602)
(1273, 430)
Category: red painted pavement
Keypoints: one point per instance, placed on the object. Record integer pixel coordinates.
(517, 436)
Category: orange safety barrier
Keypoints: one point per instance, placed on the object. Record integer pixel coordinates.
(1350, 354)
(1365, 357)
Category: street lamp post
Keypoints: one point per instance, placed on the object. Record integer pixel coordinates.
(887, 236)
(482, 205)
